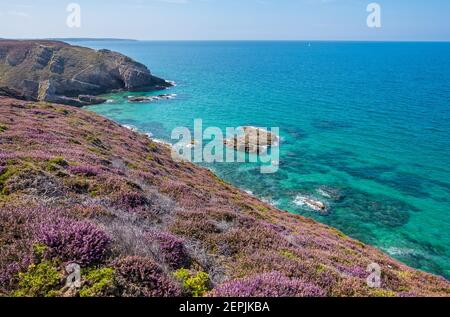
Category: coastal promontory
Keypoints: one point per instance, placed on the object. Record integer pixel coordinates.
(53, 71)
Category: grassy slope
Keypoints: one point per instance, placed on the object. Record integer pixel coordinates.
(60, 162)
(26, 52)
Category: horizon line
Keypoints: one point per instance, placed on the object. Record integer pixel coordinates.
(228, 40)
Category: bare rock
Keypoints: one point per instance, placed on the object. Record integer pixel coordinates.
(57, 71)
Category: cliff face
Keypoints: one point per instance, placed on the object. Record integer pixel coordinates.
(76, 187)
(58, 72)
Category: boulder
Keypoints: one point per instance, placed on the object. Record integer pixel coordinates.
(253, 140)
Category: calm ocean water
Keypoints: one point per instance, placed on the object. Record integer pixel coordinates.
(368, 123)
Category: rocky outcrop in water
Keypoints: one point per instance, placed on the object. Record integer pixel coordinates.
(146, 99)
(253, 140)
(58, 72)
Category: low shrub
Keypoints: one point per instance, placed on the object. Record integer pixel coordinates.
(267, 285)
(195, 284)
(55, 163)
(142, 277)
(197, 229)
(171, 249)
(40, 280)
(98, 282)
(74, 241)
(5, 174)
(130, 200)
(83, 170)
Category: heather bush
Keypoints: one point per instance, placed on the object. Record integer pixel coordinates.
(74, 241)
(130, 200)
(16, 240)
(353, 271)
(83, 170)
(171, 249)
(34, 182)
(195, 284)
(98, 282)
(40, 280)
(267, 285)
(301, 266)
(246, 240)
(197, 229)
(142, 277)
(77, 185)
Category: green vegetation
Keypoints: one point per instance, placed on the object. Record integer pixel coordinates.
(289, 255)
(3, 128)
(4, 176)
(382, 293)
(194, 284)
(63, 111)
(39, 250)
(41, 280)
(98, 282)
(55, 163)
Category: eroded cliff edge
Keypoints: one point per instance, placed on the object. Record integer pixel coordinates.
(55, 71)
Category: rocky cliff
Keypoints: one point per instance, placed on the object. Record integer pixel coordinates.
(76, 187)
(58, 72)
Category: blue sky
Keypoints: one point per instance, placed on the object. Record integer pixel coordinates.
(228, 19)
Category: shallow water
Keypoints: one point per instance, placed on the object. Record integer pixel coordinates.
(365, 128)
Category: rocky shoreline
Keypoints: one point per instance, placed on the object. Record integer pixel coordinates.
(57, 72)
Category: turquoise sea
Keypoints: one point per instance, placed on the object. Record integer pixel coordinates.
(365, 128)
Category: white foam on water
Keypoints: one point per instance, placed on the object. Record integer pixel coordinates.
(158, 141)
(173, 83)
(310, 202)
(300, 200)
(323, 193)
(130, 127)
(269, 201)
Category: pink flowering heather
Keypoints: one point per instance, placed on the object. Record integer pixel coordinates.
(171, 249)
(74, 241)
(267, 285)
(130, 200)
(83, 170)
(141, 277)
(154, 207)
